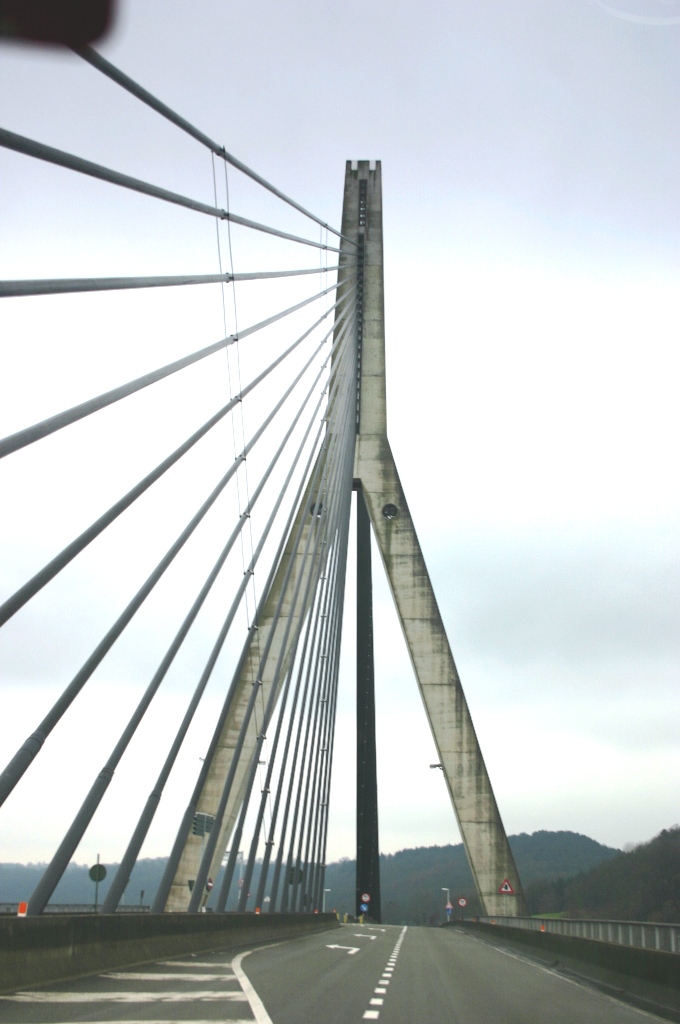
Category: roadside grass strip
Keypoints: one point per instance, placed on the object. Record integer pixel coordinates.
(381, 988)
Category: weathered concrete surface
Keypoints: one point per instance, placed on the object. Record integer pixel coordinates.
(54, 947)
(467, 779)
(180, 894)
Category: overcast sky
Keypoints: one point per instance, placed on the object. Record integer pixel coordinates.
(531, 165)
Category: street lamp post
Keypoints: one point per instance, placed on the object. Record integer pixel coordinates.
(448, 902)
(323, 902)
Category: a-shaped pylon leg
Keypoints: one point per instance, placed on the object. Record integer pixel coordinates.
(486, 843)
(224, 746)
(466, 776)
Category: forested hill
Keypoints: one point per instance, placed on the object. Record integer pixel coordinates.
(412, 880)
(640, 885)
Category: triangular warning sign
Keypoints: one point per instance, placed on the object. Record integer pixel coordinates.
(507, 888)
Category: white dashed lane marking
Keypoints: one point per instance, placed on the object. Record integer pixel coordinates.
(384, 980)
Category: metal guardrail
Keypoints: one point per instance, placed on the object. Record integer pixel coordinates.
(639, 934)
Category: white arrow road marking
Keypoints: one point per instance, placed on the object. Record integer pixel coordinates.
(350, 949)
(360, 935)
(376, 929)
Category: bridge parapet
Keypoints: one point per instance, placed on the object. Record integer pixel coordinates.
(630, 960)
(638, 934)
(55, 947)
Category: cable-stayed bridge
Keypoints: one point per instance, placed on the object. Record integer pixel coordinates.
(220, 476)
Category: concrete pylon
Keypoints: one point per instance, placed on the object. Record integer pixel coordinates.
(375, 471)
(474, 804)
(224, 749)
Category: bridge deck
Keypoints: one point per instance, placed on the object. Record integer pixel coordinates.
(391, 974)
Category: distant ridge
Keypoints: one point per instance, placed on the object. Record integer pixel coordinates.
(642, 884)
(412, 879)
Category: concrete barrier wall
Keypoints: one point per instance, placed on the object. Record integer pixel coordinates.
(37, 950)
(650, 974)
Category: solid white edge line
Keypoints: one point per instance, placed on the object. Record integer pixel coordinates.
(256, 1004)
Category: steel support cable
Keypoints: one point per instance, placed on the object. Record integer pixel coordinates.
(304, 711)
(320, 715)
(318, 554)
(319, 848)
(115, 74)
(301, 691)
(333, 521)
(341, 344)
(318, 851)
(204, 867)
(60, 861)
(292, 780)
(30, 147)
(12, 605)
(297, 804)
(309, 603)
(331, 402)
(27, 752)
(288, 800)
(321, 878)
(122, 876)
(311, 800)
(202, 873)
(308, 606)
(311, 712)
(37, 431)
(208, 855)
(318, 639)
(318, 791)
(68, 285)
(331, 741)
(316, 615)
(183, 831)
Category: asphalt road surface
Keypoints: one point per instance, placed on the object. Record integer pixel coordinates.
(345, 976)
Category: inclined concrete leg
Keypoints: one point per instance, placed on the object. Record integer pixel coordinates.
(466, 776)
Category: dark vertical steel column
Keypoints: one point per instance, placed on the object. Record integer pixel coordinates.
(368, 849)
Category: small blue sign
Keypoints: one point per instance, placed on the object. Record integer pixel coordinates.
(363, 907)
